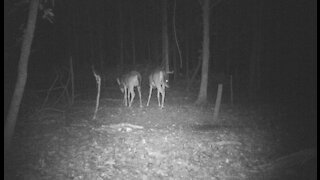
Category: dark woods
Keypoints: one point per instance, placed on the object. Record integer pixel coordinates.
(268, 47)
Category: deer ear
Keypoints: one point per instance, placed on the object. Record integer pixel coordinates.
(118, 81)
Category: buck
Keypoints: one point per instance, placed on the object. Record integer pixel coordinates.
(158, 79)
(127, 83)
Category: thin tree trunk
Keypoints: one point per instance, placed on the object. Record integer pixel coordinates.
(72, 81)
(202, 97)
(133, 42)
(175, 33)
(121, 35)
(149, 50)
(22, 75)
(175, 66)
(187, 56)
(254, 79)
(165, 43)
(75, 32)
(187, 44)
(74, 42)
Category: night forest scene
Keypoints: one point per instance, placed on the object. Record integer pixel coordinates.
(160, 89)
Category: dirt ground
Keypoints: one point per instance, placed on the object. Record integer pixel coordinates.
(180, 141)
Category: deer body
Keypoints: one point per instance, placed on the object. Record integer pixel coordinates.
(127, 83)
(158, 79)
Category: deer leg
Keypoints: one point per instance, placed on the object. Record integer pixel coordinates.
(139, 91)
(132, 96)
(163, 96)
(125, 96)
(158, 96)
(150, 92)
(129, 98)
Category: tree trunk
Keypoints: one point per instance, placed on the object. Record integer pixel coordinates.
(22, 75)
(175, 66)
(75, 33)
(149, 50)
(133, 43)
(74, 40)
(121, 36)
(187, 54)
(165, 43)
(187, 43)
(72, 82)
(202, 97)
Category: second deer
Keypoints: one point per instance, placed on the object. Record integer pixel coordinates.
(127, 83)
(158, 79)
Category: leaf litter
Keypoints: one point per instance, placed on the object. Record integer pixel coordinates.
(178, 142)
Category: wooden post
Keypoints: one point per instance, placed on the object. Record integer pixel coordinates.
(218, 102)
(98, 80)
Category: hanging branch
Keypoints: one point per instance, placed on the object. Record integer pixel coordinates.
(98, 80)
(175, 33)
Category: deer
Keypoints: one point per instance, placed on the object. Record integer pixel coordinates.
(158, 79)
(127, 83)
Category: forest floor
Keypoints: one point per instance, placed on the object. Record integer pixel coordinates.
(180, 141)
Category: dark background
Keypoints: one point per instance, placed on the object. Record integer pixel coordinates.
(288, 56)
